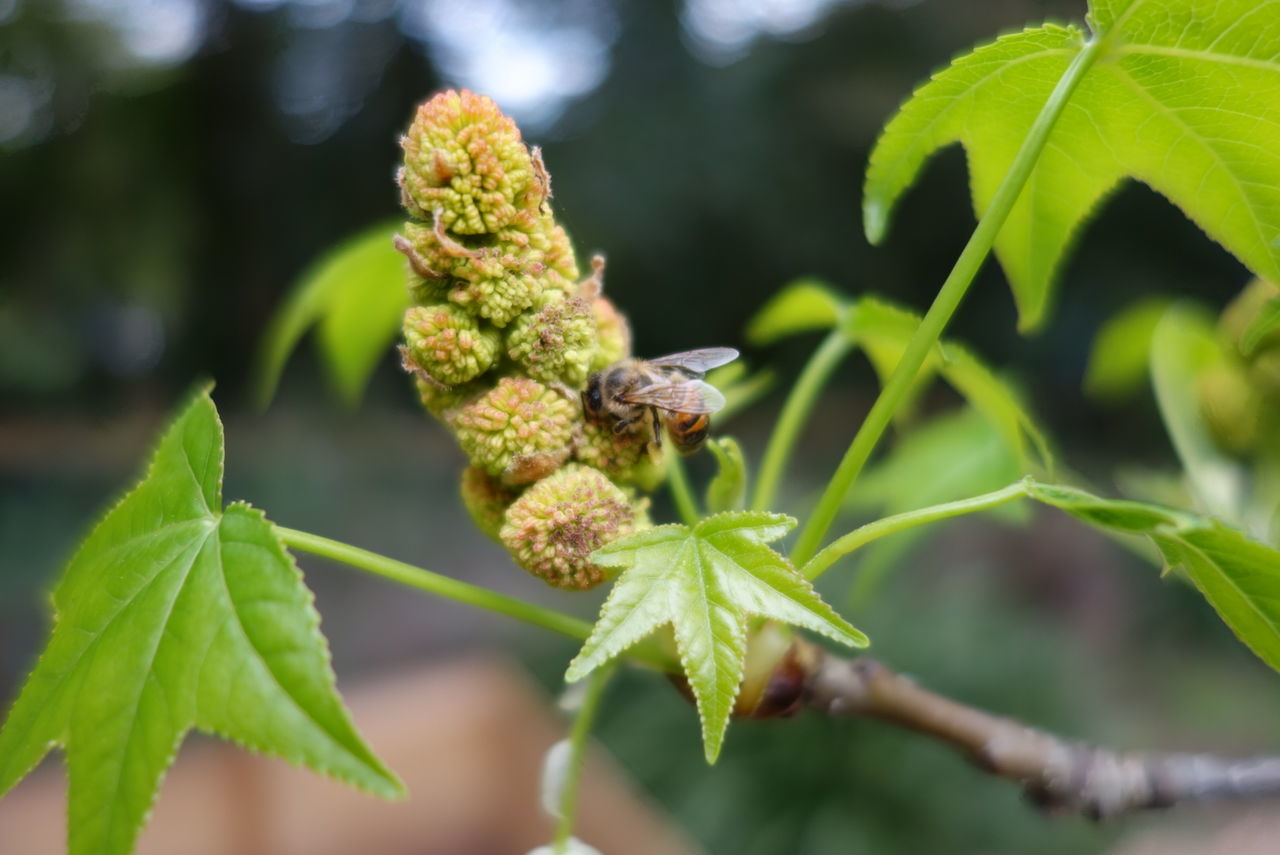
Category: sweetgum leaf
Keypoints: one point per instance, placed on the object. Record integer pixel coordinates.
(1185, 98)
(705, 581)
(1238, 576)
(176, 614)
(357, 296)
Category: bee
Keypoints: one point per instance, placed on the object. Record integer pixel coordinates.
(656, 394)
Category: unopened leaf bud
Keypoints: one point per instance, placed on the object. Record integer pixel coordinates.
(1230, 406)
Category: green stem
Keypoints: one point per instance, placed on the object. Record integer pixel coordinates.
(435, 583)
(681, 492)
(863, 535)
(577, 758)
(646, 652)
(795, 414)
(944, 306)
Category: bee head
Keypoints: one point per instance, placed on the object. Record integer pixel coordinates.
(592, 400)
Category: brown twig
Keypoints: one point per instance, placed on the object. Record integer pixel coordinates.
(1057, 774)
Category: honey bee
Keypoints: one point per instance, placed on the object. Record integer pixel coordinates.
(653, 394)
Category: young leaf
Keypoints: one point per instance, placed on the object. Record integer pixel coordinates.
(883, 330)
(1120, 354)
(801, 306)
(176, 614)
(705, 581)
(1185, 98)
(955, 456)
(1239, 577)
(727, 490)
(357, 294)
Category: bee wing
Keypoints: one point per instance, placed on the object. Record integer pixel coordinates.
(690, 396)
(697, 361)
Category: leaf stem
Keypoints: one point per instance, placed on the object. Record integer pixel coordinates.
(795, 413)
(863, 535)
(681, 492)
(577, 757)
(646, 652)
(944, 306)
(435, 583)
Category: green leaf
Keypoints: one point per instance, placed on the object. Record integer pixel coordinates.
(740, 386)
(174, 614)
(705, 581)
(801, 306)
(1264, 324)
(728, 489)
(1239, 577)
(357, 295)
(955, 455)
(883, 331)
(1183, 346)
(1120, 355)
(952, 457)
(1185, 98)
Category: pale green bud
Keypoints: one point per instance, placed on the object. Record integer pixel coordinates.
(552, 528)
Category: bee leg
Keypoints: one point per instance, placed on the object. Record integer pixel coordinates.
(623, 424)
(657, 428)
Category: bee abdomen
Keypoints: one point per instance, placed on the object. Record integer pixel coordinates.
(689, 430)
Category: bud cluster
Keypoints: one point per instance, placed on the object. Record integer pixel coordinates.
(1239, 393)
(501, 339)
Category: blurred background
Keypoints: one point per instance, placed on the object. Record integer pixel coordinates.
(169, 167)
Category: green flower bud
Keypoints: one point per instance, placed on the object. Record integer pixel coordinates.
(624, 457)
(449, 344)
(437, 398)
(559, 255)
(497, 280)
(558, 522)
(555, 341)
(613, 334)
(486, 500)
(519, 431)
(464, 161)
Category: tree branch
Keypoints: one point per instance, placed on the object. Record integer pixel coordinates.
(1058, 775)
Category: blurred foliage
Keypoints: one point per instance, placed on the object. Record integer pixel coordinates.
(356, 297)
(157, 224)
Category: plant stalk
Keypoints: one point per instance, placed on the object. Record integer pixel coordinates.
(463, 592)
(863, 535)
(944, 306)
(578, 739)
(681, 492)
(435, 583)
(795, 413)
